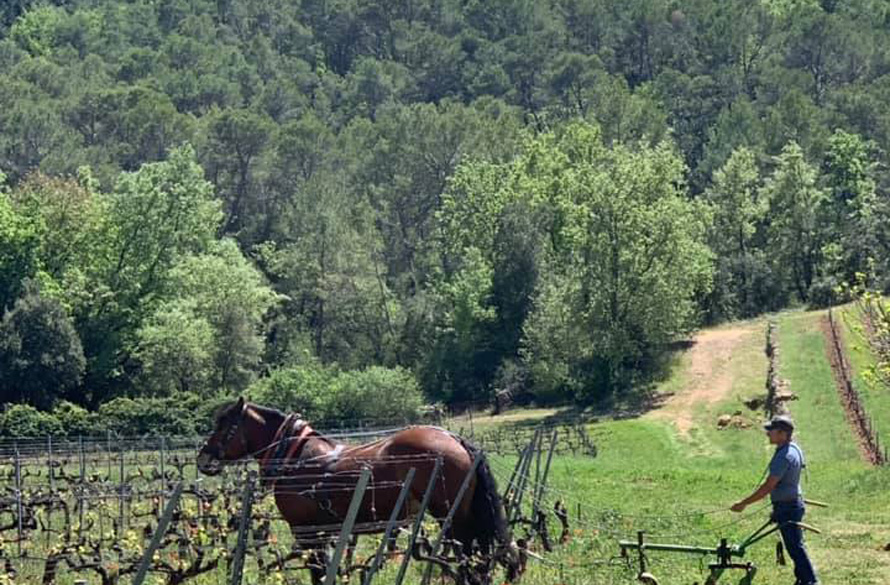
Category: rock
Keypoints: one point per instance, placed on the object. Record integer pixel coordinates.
(785, 396)
(733, 421)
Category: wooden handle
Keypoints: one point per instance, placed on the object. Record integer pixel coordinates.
(808, 527)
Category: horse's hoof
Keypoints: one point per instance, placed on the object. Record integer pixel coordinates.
(647, 578)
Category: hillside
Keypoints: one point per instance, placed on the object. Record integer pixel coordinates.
(672, 473)
(202, 198)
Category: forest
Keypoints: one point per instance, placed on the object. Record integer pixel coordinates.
(354, 207)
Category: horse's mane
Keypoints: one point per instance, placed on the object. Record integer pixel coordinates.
(228, 408)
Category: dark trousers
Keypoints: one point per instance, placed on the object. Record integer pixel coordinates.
(793, 537)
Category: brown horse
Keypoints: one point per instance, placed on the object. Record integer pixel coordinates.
(313, 477)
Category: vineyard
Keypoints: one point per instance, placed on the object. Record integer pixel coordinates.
(131, 511)
(112, 511)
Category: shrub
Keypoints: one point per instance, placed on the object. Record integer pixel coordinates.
(329, 396)
(173, 416)
(22, 420)
(305, 389)
(379, 394)
(77, 421)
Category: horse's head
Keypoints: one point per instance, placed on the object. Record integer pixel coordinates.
(228, 441)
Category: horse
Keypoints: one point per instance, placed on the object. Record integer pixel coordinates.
(313, 477)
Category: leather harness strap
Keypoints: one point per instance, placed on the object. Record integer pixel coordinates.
(287, 448)
(277, 440)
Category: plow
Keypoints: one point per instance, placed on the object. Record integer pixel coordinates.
(726, 556)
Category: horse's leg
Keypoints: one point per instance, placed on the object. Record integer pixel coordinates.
(346, 565)
(318, 564)
(463, 525)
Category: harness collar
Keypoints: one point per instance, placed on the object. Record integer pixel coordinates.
(284, 446)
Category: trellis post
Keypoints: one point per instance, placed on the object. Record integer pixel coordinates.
(390, 526)
(158, 535)
(446, 524)
(419, 520)
(81, 487)
(243, 529)
(18, 497)
(346, 528)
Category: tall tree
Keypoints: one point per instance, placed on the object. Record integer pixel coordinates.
(796, 202)
(739, 214)
(41, 357)
(622, 257)
(222, 298)
(19, 245)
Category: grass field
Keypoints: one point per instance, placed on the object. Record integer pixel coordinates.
(650, 477)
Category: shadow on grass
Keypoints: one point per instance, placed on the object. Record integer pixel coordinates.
(641, 398)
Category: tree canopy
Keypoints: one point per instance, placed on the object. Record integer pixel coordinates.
(197, 194)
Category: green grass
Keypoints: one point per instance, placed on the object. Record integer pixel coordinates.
(648, 478)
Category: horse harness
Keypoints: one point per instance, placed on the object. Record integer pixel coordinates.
(285, 446)
(283, 455)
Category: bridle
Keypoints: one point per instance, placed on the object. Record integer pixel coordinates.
(236, 428)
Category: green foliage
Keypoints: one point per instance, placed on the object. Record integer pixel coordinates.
(344, 147)
(36, 30)
(158, 213)
(19, 243)
(303, 389)
(619, 259)
(175, 347)
(41, 356)
(75, 420)
(327, 396)
(218, 302)
(855, 217)
(376, 394)
(175, 416)
(796, 201)
(742, 280)
(23, 420)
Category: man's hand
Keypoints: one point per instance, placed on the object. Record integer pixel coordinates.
(738, 507)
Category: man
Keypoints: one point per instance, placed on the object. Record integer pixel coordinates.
(783, 487)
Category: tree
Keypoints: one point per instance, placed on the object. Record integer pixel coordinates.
(637, 247)
(218, 301)
(159, 213)
(236, 138)
(156, 215)
(621, 256)
(41, 357)
(69, 217)
(796, 203)
(19, 245)
(739, 214)
(855, 219)
(176, 346)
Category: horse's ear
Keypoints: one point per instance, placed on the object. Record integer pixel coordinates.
(240, 405)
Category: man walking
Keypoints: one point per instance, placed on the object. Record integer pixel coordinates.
(783, 487)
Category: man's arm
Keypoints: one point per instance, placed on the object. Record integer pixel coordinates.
(760, 493)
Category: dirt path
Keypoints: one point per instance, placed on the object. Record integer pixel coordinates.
(709, 376)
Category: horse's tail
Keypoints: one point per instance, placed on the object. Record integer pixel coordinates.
(488, 508)
(492, 529)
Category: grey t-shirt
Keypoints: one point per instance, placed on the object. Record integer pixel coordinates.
(786, 465)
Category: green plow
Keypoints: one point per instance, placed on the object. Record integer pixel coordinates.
(725, 553)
